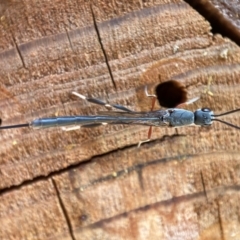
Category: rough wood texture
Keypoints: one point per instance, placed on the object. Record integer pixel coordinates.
(95, 183)
(223, 16)
(229, 9)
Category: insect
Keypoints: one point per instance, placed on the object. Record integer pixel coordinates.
(169, 94)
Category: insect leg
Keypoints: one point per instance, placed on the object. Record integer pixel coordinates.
(96, 101)
(188, 102)
(84, 126)
(100, 102)
(141, 142)
(70, 128)
(154, 97)
(148, 139)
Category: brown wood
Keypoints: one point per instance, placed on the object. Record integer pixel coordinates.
(222, 15)
(95, 183)
(229, 9)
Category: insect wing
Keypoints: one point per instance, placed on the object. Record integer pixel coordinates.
(153, 118)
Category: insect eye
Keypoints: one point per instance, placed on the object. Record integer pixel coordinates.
(206, 110)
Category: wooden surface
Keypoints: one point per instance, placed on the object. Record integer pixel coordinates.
(95, 183)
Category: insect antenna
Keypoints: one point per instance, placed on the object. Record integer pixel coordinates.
(226, 113)
(224, 122)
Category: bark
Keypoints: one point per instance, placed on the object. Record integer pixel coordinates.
(95, 183)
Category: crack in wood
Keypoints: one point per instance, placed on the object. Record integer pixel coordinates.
(64, 210)
(19, 53)
(204, 187)
(69, 39)
(102, 47)
(18, 50)
(220, 222)
(106, 178)
(219, 23)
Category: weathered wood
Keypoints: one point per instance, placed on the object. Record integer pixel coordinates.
(222, 15)
(95, 183)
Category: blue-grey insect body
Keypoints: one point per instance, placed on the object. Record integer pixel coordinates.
(174, 117)
(170, 117)
(178, 117)
(203, 117)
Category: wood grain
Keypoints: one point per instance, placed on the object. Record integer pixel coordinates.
(95, 183)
